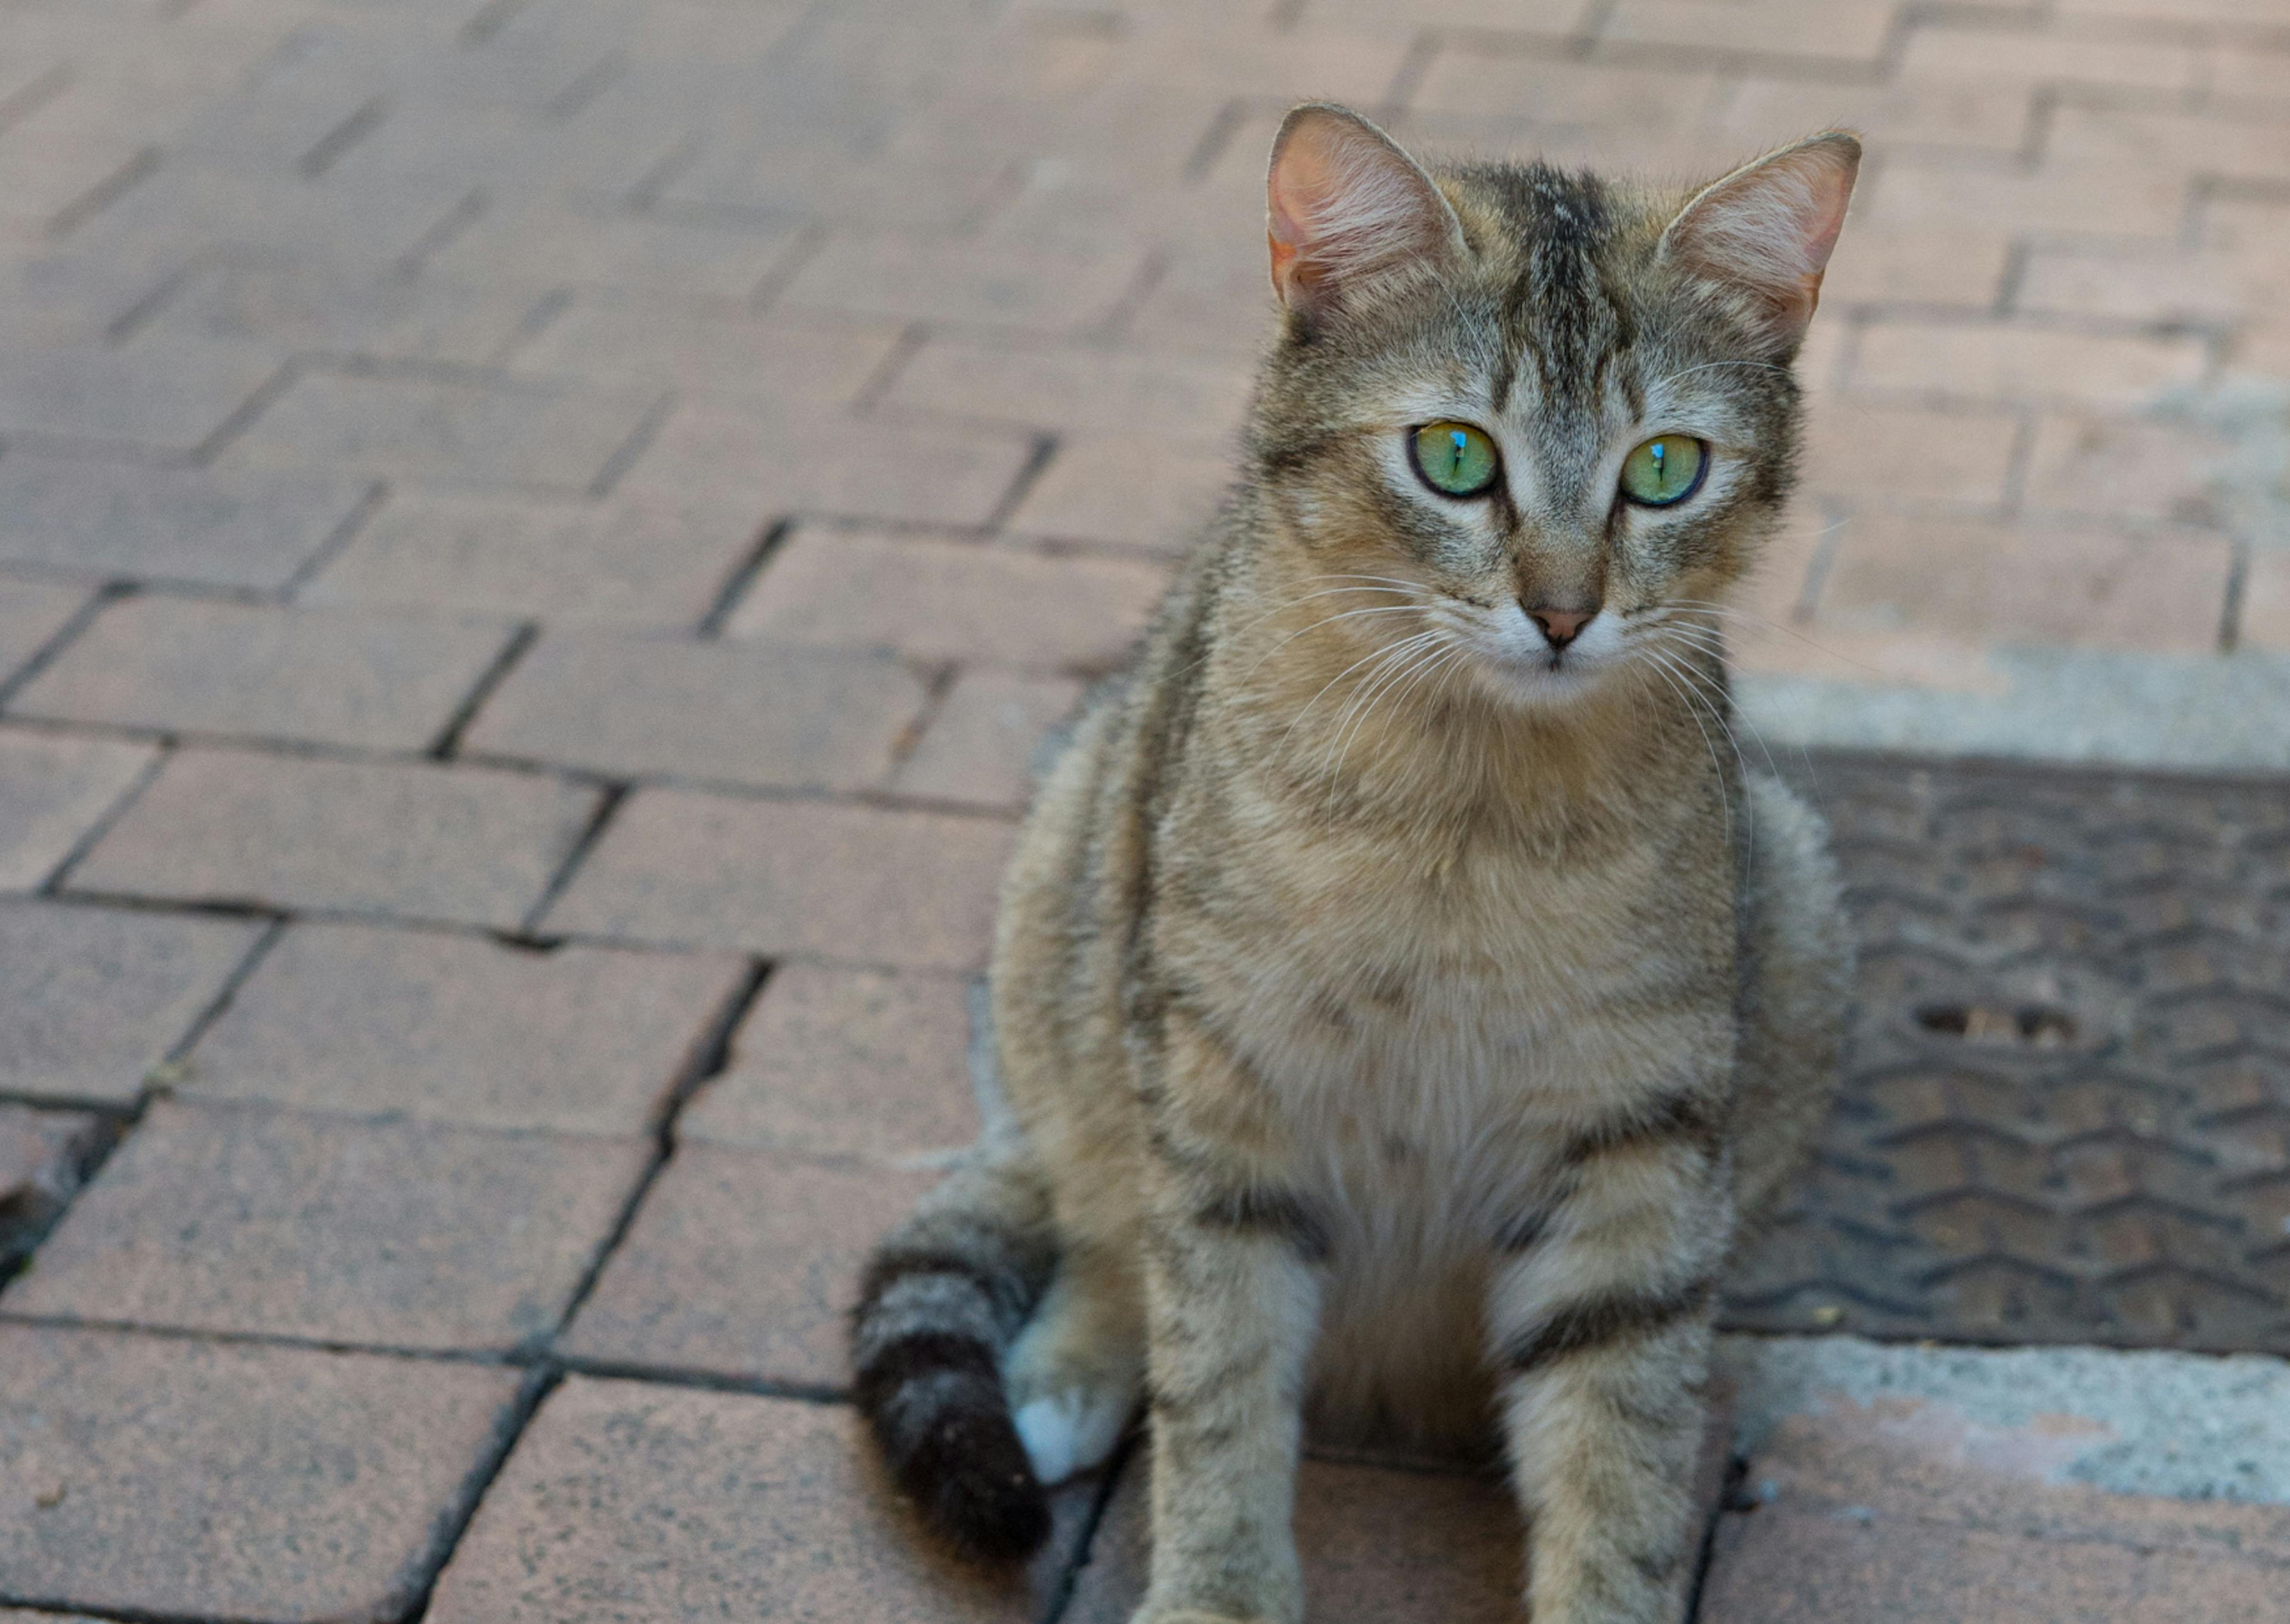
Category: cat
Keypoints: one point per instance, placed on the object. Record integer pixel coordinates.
(1406, 999)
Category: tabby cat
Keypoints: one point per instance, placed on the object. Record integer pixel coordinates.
(1405, 996)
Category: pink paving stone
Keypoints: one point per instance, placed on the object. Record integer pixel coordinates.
(774, 717)
(31, 612)
(464, 1030)
(1902, 1508)
(433, 842)
(1076, 389)
(630, 1504)
(2122, 467)
(815, 360)
(91, 999)
(617, 564)
(950, 600)
(846, 1062)
(1861, 453)
(950, 280)
(54, 791)
(1949, 361)
(380, 682)
(1126, 489)
(2266, 602)
(743, 1264)
(792, 877)
(245, 1220)
(1379, 1547)
(178, 1478)
(983, 747)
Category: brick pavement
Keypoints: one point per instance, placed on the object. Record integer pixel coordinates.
(539, 538)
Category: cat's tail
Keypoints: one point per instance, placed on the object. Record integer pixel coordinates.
(944, 1294)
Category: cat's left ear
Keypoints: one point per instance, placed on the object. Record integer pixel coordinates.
(1348, 212)
(1766, 231)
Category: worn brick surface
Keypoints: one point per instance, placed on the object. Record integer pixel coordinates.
(31, 612)
(43, 1156)
(54, 791)
(983, 745)
(383, 681)
(846, 1062)
(424, 841)
(776, 717)
(231, 1219)
(815, 361)
(849, 883)
(109, 520)
(171, 395)
(622, 563)
(948, 600)
(157, 1475)
(743, 1263)
(91, 999)
(625, 1501)
(459, 1029)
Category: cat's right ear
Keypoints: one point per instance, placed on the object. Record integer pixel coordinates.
(1347, 210)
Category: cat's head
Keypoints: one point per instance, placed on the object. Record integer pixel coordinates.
(1557, 408)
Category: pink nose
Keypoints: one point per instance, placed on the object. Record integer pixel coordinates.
(1561, 626)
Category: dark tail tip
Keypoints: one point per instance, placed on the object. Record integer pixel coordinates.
(937, 1408)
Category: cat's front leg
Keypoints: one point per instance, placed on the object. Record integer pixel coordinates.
(1232, 1301)
(1601, 1316)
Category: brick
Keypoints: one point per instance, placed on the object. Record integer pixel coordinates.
(849, 883)
(43, 1154)
(2245, 75)
(1941, 114)
(844, 1063)
(624, 1500)
(430, 842)
(794, 362)
(2060, 198)
(2265, 622)
(2206, 144)
(42, 173)
(196, 665)
(541, 246)
(1211, 300)
(1073, 389)
(53, 793)
(1124, 490)
(91, 999)
(2126, 469)
(106, 520)
(525, 434)
(1238, 54)
(633, 564)
(769, 181)
(171, 394)
(983, 746)
(250, 219)
(2080, 585)
(2207, 288)
(787, 461)
(304, 308)
(950, 280)
(462, 1031)
(177, 1478)
(742, 1264)
(1868, 453)
(1477, 78)
(246, 1220)
(771, 717)
(1948, 361)
(1840, 30)
(1390, 1546)
(941, 600)
(2047, 56)
(31, 612)
(1780, 1567)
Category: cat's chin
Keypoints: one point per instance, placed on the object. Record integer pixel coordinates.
(1536, 683)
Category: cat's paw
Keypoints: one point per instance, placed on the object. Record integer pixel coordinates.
(1071, 1432)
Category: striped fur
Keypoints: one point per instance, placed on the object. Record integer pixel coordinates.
(1404, 1016)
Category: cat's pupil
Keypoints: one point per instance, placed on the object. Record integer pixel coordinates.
(1456, 446)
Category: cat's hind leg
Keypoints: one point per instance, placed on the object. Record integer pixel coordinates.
(1077, 1373)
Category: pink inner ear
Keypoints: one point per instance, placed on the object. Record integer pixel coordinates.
(1770, 228)
(1343, 206)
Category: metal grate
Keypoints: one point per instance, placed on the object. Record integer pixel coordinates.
(2066, 1112)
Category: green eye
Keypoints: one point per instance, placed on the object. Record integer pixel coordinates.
(1663, 471)
(1455, 459)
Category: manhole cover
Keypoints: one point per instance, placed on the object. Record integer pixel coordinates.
(2066, 1112)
